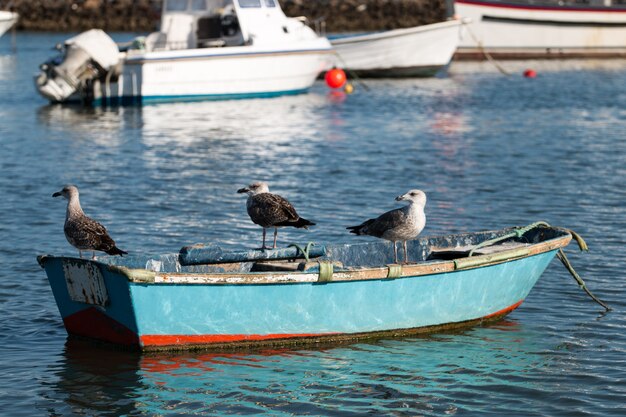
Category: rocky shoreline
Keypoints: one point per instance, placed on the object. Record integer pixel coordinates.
(144, 15)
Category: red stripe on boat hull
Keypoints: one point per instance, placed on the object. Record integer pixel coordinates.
(200, 339)
(94, 324)
(563, 8)
(177, 340)
(504, 311)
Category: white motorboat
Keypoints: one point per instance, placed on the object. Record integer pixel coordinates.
(205, 49)
(7, 20)
(416, 51)
(512, 29)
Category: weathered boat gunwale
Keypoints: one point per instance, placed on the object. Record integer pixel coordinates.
(143, 276)
(394, 33)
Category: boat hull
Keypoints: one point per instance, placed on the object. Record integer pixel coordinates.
(7, 20)
(158, 311)
(515, 31)
(414, 52)
(213, 75)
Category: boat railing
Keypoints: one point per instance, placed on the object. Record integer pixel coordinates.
(318, 24)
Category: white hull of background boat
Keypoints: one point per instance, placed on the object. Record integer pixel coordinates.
(210, 49)
(416, 51)
(7, 20)
(217, 73)
(507, 30)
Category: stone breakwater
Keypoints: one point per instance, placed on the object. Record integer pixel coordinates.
(355, 15)
(144, 15)
(79, 15)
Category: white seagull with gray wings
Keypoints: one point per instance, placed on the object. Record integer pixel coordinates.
(401, 224)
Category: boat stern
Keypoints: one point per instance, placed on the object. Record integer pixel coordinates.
(84, 58)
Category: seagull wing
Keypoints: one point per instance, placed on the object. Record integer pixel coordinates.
(93, 227)
(285, 207)
(88, 233)
(385, 222)
(269, 209)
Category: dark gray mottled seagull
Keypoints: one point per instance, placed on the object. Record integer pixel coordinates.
(82, 232)
(401, 224)
(271, 210)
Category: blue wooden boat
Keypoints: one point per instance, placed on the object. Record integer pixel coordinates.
(206, 297)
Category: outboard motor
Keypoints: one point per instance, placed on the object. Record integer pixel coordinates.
(88, 56)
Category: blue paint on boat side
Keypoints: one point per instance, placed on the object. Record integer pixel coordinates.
(336, 307)
(239, 96)
(138, 100)
(120, 307)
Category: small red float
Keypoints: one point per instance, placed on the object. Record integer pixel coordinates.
(530, 73)
(335, 78)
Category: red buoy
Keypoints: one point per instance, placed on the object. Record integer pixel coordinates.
(530, 73)
(335, 78)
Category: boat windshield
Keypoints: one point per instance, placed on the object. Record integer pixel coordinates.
(249, 3)
(198, 5)
(176, 5)
(184, 5)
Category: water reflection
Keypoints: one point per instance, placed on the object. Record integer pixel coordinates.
(277, 119)
(403, 376)
(95, 381)
(206, 135)
(8, 62)
(92, 125)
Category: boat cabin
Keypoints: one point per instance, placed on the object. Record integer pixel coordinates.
(192, 24)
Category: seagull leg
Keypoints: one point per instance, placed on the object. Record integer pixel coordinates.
(93, 255)
(80, 253)
(263, 247)
(406, 257)
(275, 235)
(395, 252)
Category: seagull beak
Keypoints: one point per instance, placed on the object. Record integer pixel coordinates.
(400, 198)
(57, 194)
(243, 190)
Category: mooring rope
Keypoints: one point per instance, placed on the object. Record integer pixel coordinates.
(484, 51)
(578, 279)
(352, 73)
(517, 232)
(520, 231)
(305, 251)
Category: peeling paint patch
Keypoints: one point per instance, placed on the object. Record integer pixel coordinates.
(85, 283)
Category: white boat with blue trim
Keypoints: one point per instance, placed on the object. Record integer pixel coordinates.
(205, 49)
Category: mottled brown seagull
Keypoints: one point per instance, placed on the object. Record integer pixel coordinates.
(271, 210)
(83, 233)
(401, 224)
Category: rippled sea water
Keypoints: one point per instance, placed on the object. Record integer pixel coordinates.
(490, 151)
